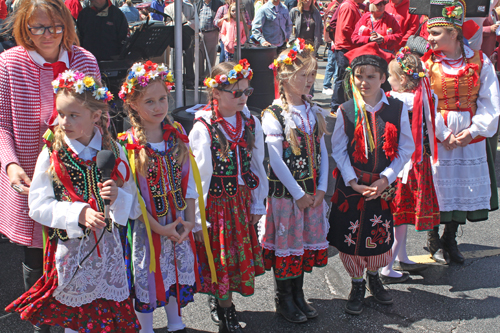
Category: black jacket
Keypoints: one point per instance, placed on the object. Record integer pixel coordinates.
(103, 36)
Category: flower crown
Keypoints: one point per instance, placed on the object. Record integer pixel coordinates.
(400, 55)
(80, 83)
(241, 71)
(454, 11)
(141, 74)
(298, 46)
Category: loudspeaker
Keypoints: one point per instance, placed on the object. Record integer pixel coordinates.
(474, 8)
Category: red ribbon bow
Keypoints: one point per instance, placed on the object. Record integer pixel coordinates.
(466, 70)
(130, 146)
(169, 129)
(240, 143)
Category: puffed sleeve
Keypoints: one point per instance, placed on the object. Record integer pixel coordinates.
(339, 151)
(257, 167)
(200, 145)
(323, 171)
(271, 127)
(485, 121)
(44, 207)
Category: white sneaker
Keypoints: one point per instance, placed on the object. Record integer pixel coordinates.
(328, 91)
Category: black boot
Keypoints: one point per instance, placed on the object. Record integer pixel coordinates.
(377, 289)
(435, 247)
(228, 322)
(30, 277)
(285, 304)
(449, 242)
(354, 304)
(298, 297)
(213, 304)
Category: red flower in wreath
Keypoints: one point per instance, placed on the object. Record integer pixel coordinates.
(449, 10)
(292, 55)
(244, 63)
(302, 43)
(217, 79)
(150, 66)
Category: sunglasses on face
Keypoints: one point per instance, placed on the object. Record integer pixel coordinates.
(238, 93)
(38, 31)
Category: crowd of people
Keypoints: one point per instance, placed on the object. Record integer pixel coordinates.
(113, 228)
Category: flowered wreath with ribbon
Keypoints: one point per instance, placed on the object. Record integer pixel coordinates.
(141, 74)
(455, 11)
(297, 47)
(400, 55)
(241, 71)
(77, 81)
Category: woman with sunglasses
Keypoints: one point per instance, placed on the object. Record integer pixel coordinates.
(45, 34)
(378, 26)
(228, 145)
(295, 228)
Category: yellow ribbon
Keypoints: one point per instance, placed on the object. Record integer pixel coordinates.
(131, 159)
(359, 99)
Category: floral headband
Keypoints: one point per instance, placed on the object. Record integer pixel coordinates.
(77, 81)
(141, 74)
(241, 71)
(400, 55)
(298, 46)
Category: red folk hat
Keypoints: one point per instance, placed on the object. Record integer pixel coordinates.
(369, 54)
(376, 2)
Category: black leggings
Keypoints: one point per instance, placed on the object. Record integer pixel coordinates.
(33, 257)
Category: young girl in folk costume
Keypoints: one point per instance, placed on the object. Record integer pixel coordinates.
(84, 287)
(468, 108)
(159, 157)
(371, 143)
(294, 231)
(228, 146)
(415, 201)
(228, 33)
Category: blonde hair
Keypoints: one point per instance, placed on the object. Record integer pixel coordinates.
(142, 159)
(305, 60)
(300, 5)
(55, 10)
(88, 101)
(228, 15)
(412, 62)
(224, 68)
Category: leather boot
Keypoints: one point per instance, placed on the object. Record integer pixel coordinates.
(285, 304)
(449, 242)
(298, 297)
(228, 322)
(377, 289)
(435, 247)
(30, 277)
(354, 304)
(213, 304)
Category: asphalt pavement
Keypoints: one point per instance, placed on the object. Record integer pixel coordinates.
(454, 298)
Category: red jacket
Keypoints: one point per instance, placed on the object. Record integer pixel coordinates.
(349, 15)
(3, 10)
(74, 7)
(387, 26)
(408, 22)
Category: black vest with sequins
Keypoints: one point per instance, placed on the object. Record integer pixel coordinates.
(83, 183)
(225, 169)
(301, 166)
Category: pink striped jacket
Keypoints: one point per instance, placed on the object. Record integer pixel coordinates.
(26, 104)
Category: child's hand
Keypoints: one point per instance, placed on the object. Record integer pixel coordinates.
(254, 218)
(362, 189)
(450, 143)
(377, 187)
(91, 219)
(305, 202)
(185, 229)
(463, 138)
(318, 198)
(170, 231)
(108, 190)
(494, 57)
(198, 236)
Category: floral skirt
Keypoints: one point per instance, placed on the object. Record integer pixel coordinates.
(39, 306)
(234, 244)
(293, 266)
(416, 202)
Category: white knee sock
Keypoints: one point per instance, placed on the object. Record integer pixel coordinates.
(69, 330)
(174, 320)
(399, 241)
(146, 321)
(402, 256)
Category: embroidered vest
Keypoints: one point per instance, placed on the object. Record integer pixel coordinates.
(377, 160)
(84, 176)
(165, 178)
(302, 166)
(225, 169)
(455, 93)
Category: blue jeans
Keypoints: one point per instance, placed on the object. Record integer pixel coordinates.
(331, 70)
(222, 56)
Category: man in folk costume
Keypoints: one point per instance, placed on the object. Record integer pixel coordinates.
(371, 143)
(468, 108)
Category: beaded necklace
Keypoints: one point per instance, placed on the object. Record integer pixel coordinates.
(233, 132)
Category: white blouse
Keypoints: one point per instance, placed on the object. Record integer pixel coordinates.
(46, 210)
(274, 139)
(200, 145)
(340, 142)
